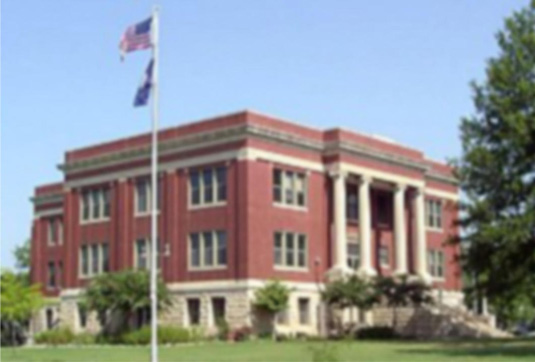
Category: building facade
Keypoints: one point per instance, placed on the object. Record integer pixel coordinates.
(244, 198)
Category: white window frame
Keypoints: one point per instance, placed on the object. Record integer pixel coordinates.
(51, 230)
(434, 262)
(90, 201)
(148, 250)
(308, 311)
(383, 247)
(215, 188)
(148, 187)
(290, 184)
(284, 263)
(48, 275)
(215, 251)
(353, 240)
(90, 273)
(433, 215)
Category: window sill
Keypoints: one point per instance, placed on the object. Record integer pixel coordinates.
(385, 266)
(207, 206)
(206, 268)
(434, 229)
(438, 279)
(145, 213)
(291, 269)
(95, 221)
(291, 207)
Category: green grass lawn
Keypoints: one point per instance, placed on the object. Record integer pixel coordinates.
(288, 351)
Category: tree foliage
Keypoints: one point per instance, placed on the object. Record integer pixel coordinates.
(350, 292)
(19, 301)
(120, 294)
(401, 291)
(272, 297)
(22, 255)
(497, 168)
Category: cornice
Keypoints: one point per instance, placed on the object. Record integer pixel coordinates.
(442, 178)
(47, 199)
(241, 132)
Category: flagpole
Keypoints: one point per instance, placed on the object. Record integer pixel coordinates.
(154, 188)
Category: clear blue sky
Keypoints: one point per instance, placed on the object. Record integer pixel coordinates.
(396, 68)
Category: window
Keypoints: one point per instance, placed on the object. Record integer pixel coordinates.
(434, 214)
(49, 318)
(436, 263)
(353, 255)
(105, 258)
(60, 274)
(95, 205)
(195, 250)
(194, 312)
(304, 310)
(352, 208)
(106, 202)
(86, 204)
(84, 256)
(208, 186)
(383, 208)
(51, 280)
(289, 188)
(384, 256)
(282, 317)
(142, 254)
(144, 196)
(218, 309)
(82, 315)
(221, 181)
(290, 250)
(208, 249)
(221, 248)
(143, 317)
(94, 259)
(51, 235)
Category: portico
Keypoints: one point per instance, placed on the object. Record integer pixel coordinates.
(401, 188)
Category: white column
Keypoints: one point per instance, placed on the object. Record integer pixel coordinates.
(340, 222)
(400, 232)
(365, 226)
(421, 243)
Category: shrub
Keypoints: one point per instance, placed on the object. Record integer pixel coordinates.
(171, 335)
(241, 334)
(55, 336)
(84, 338)
(166, 335)
(222, 329)
(376, 333)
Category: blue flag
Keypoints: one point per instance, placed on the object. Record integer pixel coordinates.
(143, 91)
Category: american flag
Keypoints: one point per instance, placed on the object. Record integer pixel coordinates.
(136, 37)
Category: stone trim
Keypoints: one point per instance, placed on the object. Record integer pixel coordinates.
(235, 133)
(47, 199)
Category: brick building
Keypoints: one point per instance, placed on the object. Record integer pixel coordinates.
(243, 198)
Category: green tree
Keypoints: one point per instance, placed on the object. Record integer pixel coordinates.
(272, 298)
(350, 292)
(401, 291)
(115, 297)
(19, 301)
(497, 170)
(22, 255)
